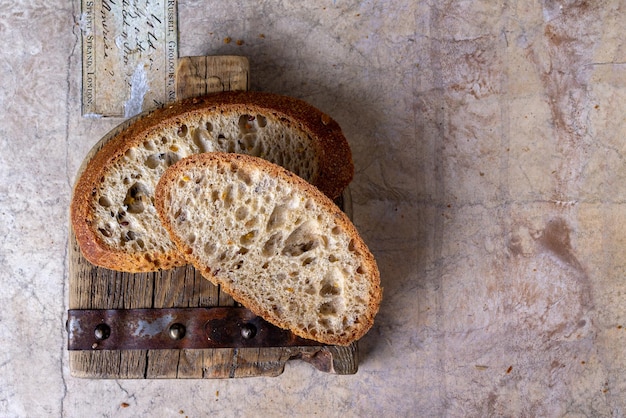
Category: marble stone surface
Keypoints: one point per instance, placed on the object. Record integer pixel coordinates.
(489, 140)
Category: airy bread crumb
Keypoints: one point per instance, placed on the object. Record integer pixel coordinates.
(273, 242)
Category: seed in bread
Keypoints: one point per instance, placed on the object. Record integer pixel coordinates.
(112, 209)
(273, 242)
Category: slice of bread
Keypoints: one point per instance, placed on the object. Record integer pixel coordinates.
(272, 241)
(112, 210)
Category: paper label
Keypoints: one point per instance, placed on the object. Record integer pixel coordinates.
(130, 52)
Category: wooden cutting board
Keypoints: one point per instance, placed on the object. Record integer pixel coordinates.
(93, 287)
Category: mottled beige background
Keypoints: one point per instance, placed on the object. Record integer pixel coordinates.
(489, 139)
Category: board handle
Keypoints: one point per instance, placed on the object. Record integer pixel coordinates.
(197, 76)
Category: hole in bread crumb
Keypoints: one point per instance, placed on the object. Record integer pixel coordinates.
(248, 237)
(308, 261)
(336, 230)
(248, 144)
(352, 245)
(191, 238)
(328, 309)
(246, 124)
(135, 196)
(332, 258)
(128, 236)
(241, 213)
(243, 250)
(208, 126)
(210, 248)
(360, 270)
(245, 177)
(278, 218)
(171, 158)
(106, 231)
(261, 121)
(121, 217)
(104, 201)
(300, 241)
(272, 244)
(154, 160)
(149, 145)
(329, 288)
(202, 139)
(182, 131)
(229, 195)
(265, 265)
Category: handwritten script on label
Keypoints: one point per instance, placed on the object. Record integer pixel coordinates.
(124, 43)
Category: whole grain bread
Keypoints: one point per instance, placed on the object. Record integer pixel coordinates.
(112, 209)
(272, 241)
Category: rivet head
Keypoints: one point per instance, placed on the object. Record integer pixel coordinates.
(102, 332)
(177, 331)
(248, 331)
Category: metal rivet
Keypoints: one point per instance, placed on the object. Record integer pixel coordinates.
(177, 331)
(248, 331)
(102, 332)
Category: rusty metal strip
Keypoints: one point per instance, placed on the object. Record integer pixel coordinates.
(174, 328)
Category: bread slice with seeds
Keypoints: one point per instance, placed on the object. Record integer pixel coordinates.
(272, 241)
(112, 209)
